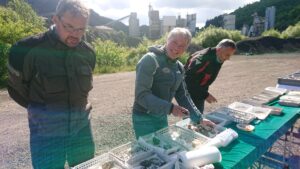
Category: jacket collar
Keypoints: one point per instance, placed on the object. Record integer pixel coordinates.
(161, 51)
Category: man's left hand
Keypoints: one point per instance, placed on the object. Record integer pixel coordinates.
(211, 99)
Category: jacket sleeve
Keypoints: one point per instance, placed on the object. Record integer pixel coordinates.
(183, 98)
(145, 71)
(17, 84)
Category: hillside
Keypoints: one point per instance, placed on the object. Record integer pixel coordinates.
(287, 13)
(95, 18)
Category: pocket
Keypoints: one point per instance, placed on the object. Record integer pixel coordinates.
(54, 80)
(85, 78)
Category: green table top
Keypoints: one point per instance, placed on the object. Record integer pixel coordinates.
(249, 146)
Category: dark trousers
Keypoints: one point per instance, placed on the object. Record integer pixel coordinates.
(52, 152)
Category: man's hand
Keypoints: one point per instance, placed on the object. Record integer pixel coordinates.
(179, 111)
(211, 99)
(207, 122)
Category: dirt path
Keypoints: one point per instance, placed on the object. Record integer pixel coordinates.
(112, 97)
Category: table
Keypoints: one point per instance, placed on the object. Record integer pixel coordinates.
(289, 87)
(249, 147)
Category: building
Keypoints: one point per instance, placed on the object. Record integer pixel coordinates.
(134, 25)
(245, 30)
(258, 26)
(168, 23)
(270, 17)
(191, 23)
(154, 24)
(229, 22)
(180, 22)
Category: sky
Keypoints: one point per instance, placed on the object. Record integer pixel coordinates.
(205, 9)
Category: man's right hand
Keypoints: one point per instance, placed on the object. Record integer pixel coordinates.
(179, 111)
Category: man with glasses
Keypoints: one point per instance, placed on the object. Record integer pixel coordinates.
(51, 75)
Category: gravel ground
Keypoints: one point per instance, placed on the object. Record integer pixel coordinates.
(112, 98)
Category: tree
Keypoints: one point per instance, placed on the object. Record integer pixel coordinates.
(26, 13)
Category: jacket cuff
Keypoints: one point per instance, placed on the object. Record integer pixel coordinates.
(171, 108)
(206, 95)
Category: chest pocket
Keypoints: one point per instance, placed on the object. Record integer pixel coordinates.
(85, 78)
(54, 79)
(164, 77)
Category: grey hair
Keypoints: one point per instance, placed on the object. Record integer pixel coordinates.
(180, 31)
(226, 43)
(76, 7)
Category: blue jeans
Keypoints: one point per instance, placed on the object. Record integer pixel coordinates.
(52, 152)
(144, 123)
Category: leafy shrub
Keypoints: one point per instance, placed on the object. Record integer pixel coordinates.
(211, 36)
(292, 31)
(109, 55)
(272, 32)
(15, 26)
(4, 49)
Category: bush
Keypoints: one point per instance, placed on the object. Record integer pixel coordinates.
(109, 55)
(212, 35)
(292, 31)
(15, 27)
(272, 32)
(26, 13)
(236, 35)
(4, 49)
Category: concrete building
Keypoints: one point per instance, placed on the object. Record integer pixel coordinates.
(168, 23)
(258, 26)
(191, 23)
(134, 26)
(154, 24)
(245, 30)
(180, 22)
(229, 22)
(270, 17)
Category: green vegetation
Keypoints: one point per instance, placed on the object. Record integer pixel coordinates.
(212, 35)
(4, 48)
(292, 31)
(272, 32)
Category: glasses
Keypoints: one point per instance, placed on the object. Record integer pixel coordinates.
(69, 28)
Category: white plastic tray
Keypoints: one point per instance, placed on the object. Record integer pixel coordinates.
(184, 124)
(186, 138)
(127, 151)
(234, 115)
(259, 112)
(145, 159)
(98, 161)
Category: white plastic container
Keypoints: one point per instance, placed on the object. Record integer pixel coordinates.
(97, 162)
(200, 157)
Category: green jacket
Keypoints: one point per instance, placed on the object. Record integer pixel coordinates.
(158, 81)
(52, 81)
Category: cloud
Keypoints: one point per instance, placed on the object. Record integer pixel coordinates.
(216, 4)
(107, 4)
